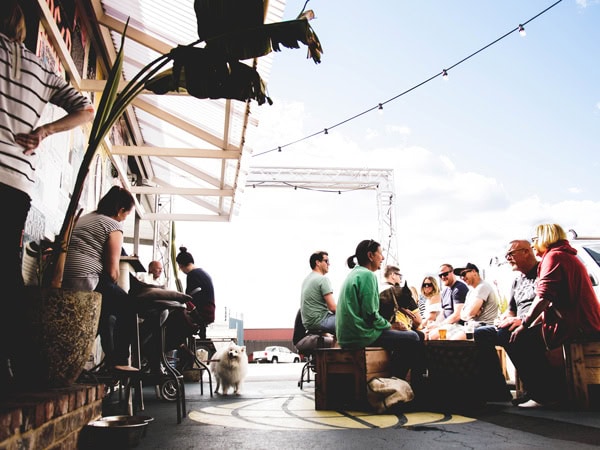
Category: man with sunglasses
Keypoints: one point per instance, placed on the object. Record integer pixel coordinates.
(481, 303)
(317, 304)
(453, 299)
(521, 258)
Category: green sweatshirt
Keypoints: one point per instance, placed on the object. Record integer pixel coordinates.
(358, 322)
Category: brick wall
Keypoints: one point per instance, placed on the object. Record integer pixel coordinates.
(50, 419)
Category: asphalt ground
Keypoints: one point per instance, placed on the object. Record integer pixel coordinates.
(273, 412)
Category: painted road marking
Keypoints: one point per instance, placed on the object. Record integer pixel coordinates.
(297, 412)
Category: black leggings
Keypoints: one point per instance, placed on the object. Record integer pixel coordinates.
(11, 278)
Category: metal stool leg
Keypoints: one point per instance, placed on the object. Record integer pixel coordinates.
(175, 376)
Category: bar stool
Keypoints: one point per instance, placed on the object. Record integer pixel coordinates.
(164, 375)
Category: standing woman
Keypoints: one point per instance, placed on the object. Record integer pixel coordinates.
(358, 322)
(200, 287)
(93, 264)
(27, 85)
(565, 308)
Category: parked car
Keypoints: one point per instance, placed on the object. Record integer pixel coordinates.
(588, 251)
(275, 354)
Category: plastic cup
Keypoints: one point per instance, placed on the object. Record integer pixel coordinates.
(469, 330)
(442, 332)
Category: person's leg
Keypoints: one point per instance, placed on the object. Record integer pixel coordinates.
(494, 385)
(327, 325)
(11, 277)
(116, 302)
(542, 382)
(11, 230)
(407, 352)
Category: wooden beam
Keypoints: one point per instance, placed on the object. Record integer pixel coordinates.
(158, 190)
(178, 122)
(139, 150)
(192, 199)
(59, 44)
(132, 33)
(186, 217)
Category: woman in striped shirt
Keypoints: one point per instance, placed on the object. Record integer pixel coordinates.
(27, 85)
(93, 264)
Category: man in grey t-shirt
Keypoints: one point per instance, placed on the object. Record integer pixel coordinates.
(481, 304)
(317, 304)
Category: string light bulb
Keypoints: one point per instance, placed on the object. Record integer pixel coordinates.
(380, 108)
(520, 29)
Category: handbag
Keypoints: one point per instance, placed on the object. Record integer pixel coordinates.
(555, 331)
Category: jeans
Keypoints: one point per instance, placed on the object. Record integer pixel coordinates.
(118, 312)
(543, 381)
(493, 382)
(408, 352)
(328, 323)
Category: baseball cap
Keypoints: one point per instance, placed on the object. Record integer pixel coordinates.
(469, 266)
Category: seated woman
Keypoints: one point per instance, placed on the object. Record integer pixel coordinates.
(565, 308)
(430, 302)
(358, 322)
(93, 264)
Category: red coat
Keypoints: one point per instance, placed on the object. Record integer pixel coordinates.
(564, 281)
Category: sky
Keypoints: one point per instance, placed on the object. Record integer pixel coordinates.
(510, 140)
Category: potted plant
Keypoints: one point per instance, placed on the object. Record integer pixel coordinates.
(231, 31)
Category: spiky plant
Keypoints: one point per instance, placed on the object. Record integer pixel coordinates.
(231, 31)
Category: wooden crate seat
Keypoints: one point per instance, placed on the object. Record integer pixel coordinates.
(343, 374)
(582, 364)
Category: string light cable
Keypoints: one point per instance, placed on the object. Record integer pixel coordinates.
(444, 74)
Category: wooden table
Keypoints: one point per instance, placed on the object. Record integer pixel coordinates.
(453, 380)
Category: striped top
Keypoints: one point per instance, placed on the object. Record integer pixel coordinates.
(86, 249)
(26, 86)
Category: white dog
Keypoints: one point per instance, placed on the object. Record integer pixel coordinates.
(229, 366)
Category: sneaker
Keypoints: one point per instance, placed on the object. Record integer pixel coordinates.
(521, 399)
(530, 404)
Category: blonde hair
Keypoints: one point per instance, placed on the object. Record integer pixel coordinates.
(547, 234)
(435, 290)
(12, 21)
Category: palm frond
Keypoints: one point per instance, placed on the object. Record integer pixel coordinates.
(205, 74)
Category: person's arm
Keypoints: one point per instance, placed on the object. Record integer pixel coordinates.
(330, 302)
(537, 307)
(414, 316)
(30, 141)
(112, 254)
(455, 316)
(471, 309)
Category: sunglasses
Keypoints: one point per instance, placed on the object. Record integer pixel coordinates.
(464, 272)
(512, 253)
(444, 274)
(427, 285)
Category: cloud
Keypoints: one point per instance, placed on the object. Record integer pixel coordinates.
(445, 212)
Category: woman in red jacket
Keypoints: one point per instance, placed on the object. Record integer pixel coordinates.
(565, 308)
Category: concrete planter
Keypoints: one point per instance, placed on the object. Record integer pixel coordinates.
(55, 336)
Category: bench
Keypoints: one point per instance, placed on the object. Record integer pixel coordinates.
(342, 376)
(582, 365)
